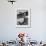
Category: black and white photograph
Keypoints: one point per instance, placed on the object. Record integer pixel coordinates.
(23, 18)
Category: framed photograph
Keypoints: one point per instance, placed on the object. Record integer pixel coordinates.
(23, 17)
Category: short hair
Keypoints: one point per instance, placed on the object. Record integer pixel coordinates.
(20, 15)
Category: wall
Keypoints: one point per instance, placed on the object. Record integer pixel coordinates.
(8, 28)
